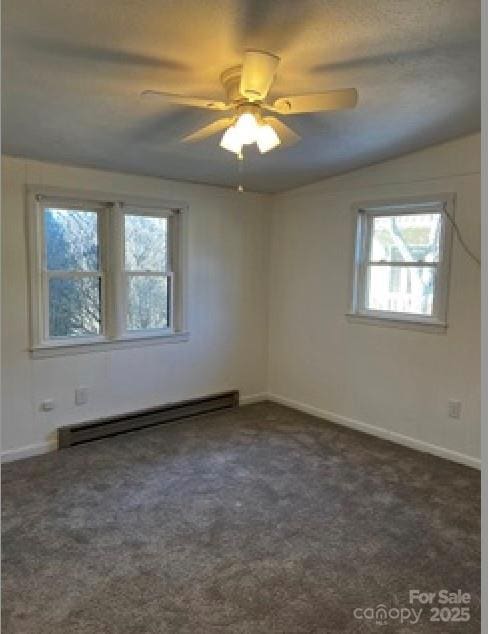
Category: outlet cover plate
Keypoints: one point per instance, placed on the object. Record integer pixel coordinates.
(81, 395)
(454, 409)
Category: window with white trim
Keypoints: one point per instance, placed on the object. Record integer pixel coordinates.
(148, 278)
(401, 264)
(72, 272)
(104, 272)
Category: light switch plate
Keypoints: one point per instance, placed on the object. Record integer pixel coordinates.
(47, 405)
(454, 409)
(81, 395)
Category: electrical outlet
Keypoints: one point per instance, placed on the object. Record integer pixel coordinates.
(81, 395)
(454, 409)
(47, 405)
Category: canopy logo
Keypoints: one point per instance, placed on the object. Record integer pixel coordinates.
(381, 614)
(441, 606)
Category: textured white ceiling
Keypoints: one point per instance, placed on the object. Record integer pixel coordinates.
(73, 71)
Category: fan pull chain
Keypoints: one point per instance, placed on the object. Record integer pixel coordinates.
(240, 170)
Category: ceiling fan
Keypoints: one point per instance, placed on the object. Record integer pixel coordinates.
(246, 89)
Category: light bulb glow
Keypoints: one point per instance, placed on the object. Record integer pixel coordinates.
(247, 128)
(245, 131)
(267, 139)
(231, 140)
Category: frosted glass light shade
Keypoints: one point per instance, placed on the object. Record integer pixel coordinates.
(246, 131)
(247, 128)
(267, 139)
(231, 140)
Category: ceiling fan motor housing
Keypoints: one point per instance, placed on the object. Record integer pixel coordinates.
(231, 79)
(251, 108)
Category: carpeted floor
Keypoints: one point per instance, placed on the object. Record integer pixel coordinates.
(256, 520)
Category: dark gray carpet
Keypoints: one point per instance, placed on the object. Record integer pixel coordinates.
(256, 520)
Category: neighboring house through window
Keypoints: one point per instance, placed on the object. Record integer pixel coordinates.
(401, 263)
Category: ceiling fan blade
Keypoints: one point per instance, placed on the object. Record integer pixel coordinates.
(258, 72)
(208, 130)
(286, 134)
(183, 100)
(318, 102)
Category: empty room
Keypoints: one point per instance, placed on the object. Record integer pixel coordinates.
(240, 325)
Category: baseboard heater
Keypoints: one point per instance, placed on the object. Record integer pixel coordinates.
(70, 435)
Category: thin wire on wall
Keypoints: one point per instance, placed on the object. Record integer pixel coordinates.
(457, 231)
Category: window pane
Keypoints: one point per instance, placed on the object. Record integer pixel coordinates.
(146, 240)
(147, 302)
(74, 306)
(71, 238)
(402, 289)
(406, 238)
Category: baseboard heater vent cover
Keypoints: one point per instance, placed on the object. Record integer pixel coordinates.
(70, 435)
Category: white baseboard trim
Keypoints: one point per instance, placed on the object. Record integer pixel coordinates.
(9, 455)
(253, 398)
(380, 432)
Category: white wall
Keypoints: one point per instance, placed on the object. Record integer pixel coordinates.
(227, 313)
(245, 275)
(398, 381)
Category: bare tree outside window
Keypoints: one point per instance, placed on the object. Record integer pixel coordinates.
(146, 264)
(104, 272)
(72, 256)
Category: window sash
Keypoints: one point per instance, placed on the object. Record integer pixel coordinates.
(63, 273)
(112, 274)
(143, 331)
(416, 264)
(151, 213)
(363, 262)
(410, 314)
(48, 274)
(76, 206)
(169, 273)
(371, 215)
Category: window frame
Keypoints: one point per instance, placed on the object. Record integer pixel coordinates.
(47, 274)
(111, 210)
(364, 214)
(168, 273)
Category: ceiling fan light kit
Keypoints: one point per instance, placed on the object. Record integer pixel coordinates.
(231, 141)
(247, 129)
(246, 89)
(267, 139)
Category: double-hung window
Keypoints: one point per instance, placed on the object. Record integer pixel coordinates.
(401, 263)
(148, 283)
(104, 272)
(73, 284)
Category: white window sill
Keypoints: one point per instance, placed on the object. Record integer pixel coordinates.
(406, 323)
(104, 345)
